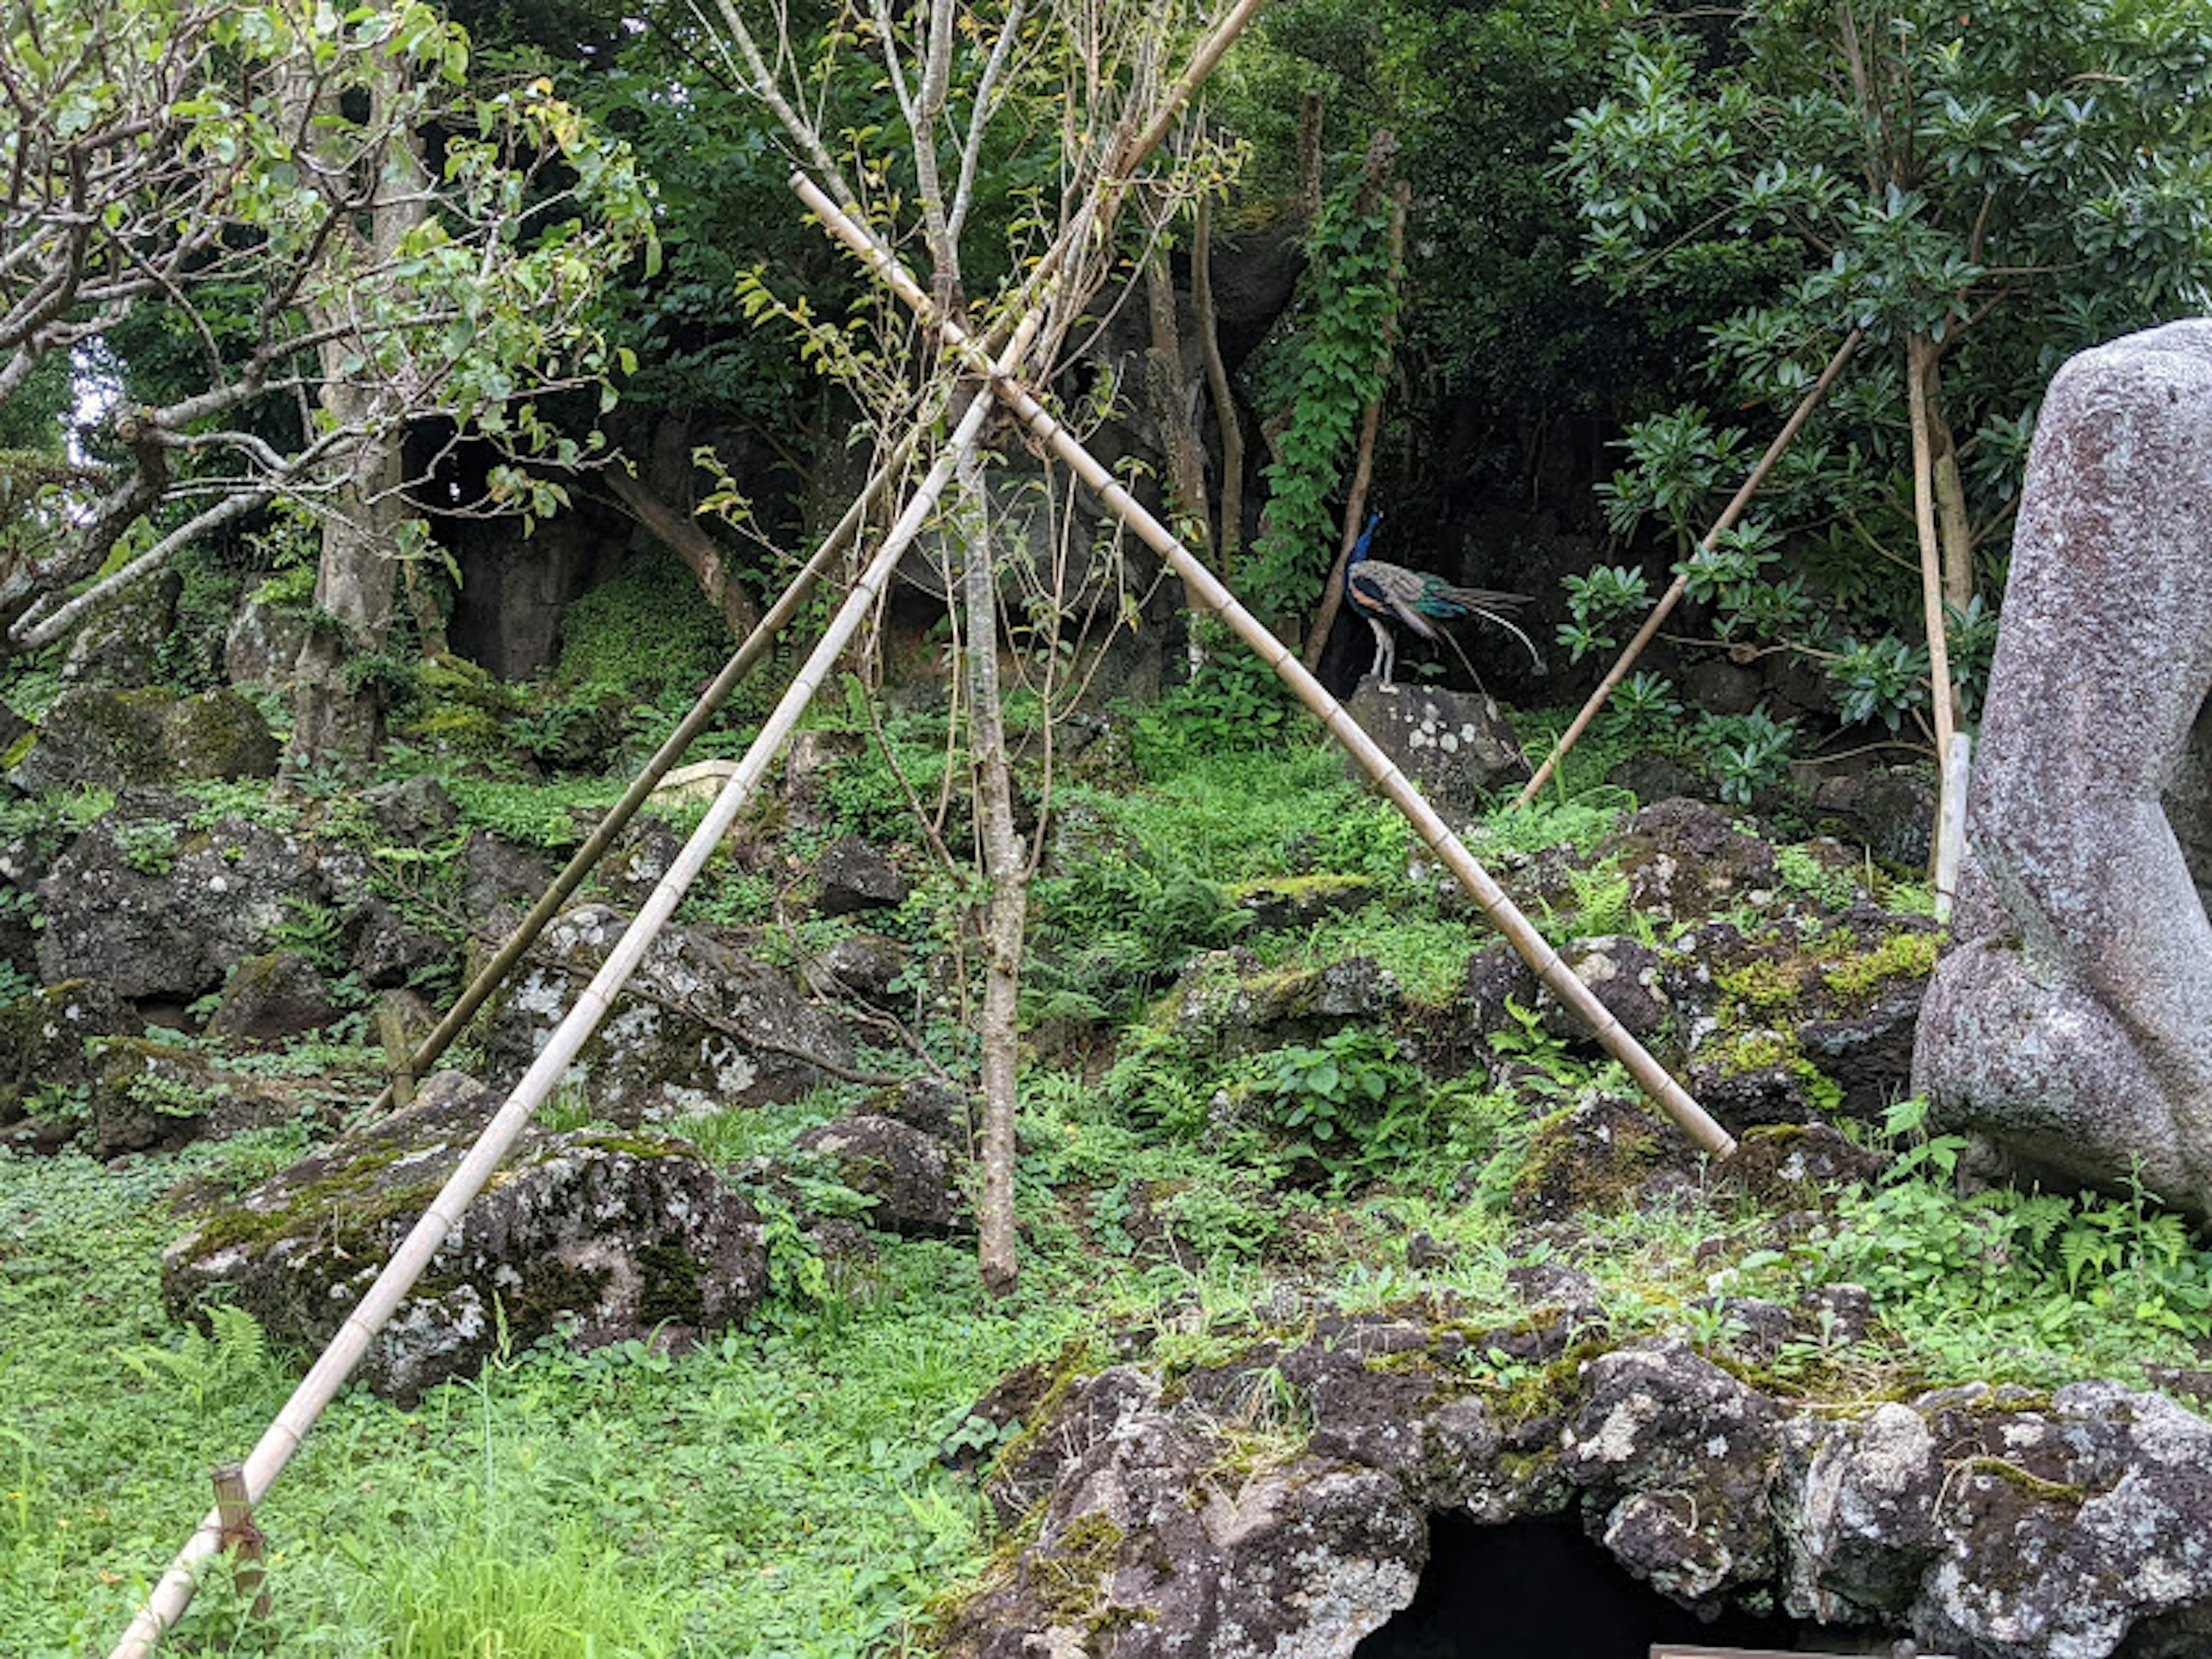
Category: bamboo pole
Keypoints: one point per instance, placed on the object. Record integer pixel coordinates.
(284, 1436)
(585, 859)
(1919, 366)
(1951, 821)
(1680, 585)
(1207, 590)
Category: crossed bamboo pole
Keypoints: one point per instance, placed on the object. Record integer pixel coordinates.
(284, 1436)
(742, 662)
(1206, 589)
(243, 1485)
(1680, 585)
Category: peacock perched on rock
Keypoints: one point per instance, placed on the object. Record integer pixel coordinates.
(1390, 594)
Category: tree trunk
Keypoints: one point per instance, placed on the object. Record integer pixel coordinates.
(1173, 408)
(337, 716)
(1006, 871)
(338, 719)
(1232, 534)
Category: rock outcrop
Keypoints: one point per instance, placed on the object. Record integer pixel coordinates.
(1987, 1524)
(701, 1027)
(1457, 746)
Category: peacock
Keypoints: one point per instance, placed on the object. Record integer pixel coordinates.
(1386, 594)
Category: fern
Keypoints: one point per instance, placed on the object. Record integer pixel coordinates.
(232, 1352)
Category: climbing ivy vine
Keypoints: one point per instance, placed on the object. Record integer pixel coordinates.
(1335, 366)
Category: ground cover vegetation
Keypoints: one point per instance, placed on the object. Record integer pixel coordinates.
(809, 1484)
(298, 280)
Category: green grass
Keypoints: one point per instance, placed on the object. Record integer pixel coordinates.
(780, 1491)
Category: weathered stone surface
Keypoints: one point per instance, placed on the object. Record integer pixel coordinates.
(45, 1065)
(1623, 973)
(1989, 1523)
(1685, 858)
(270, 998)
(1787, 1166)
(1675, 1456)
(120, 740)
(410, 811)
(264, 640)
(145, 905)
(627, 1233)
(702, 1026)
(1889, 811)
(496, 874)
(1147, 1551)
(904, 1170)
(2071, 1023)
(1596, 1154)
(1228, 1000)
(1285, 903)
(389, 951)
(856, 877)
(120, 644)
(110, 738)
(146, 1094)
(868, 964)
(1457, 746)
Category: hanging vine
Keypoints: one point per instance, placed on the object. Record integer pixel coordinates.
(1335, 368)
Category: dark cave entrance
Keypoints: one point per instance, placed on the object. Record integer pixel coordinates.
(1540, 1589)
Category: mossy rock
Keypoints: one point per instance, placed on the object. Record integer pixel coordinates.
(609, 1236)
(1595, 1155)
(220, 734)
(126, 740)
(47, 1066)
(110, 739)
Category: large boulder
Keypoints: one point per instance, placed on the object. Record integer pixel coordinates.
(122, 740)
(46, 1061)
(120, 644)
(2071, 1023)
(270, 998)
(144, 903)
(905, 1171)
(1228, 1001)
(1457, 746)
(702, 1026)
(612, 1236)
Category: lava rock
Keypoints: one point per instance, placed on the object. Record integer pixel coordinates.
(703, 1026)
(613, 1237)
(270, 998)
(1674, 1457)
(124, 739)
(411, 811)
(151, 909)
(1622, 973)
(1457, 746)
(45, 1037)
(1685, 859)
(901, 1169)
(1226, 999)
(856, 877)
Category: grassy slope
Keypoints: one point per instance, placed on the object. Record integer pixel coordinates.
(781, 1491)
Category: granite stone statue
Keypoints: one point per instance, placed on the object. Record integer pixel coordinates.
(2069, 1025)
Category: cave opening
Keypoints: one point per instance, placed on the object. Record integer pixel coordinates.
(1540, 1588)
